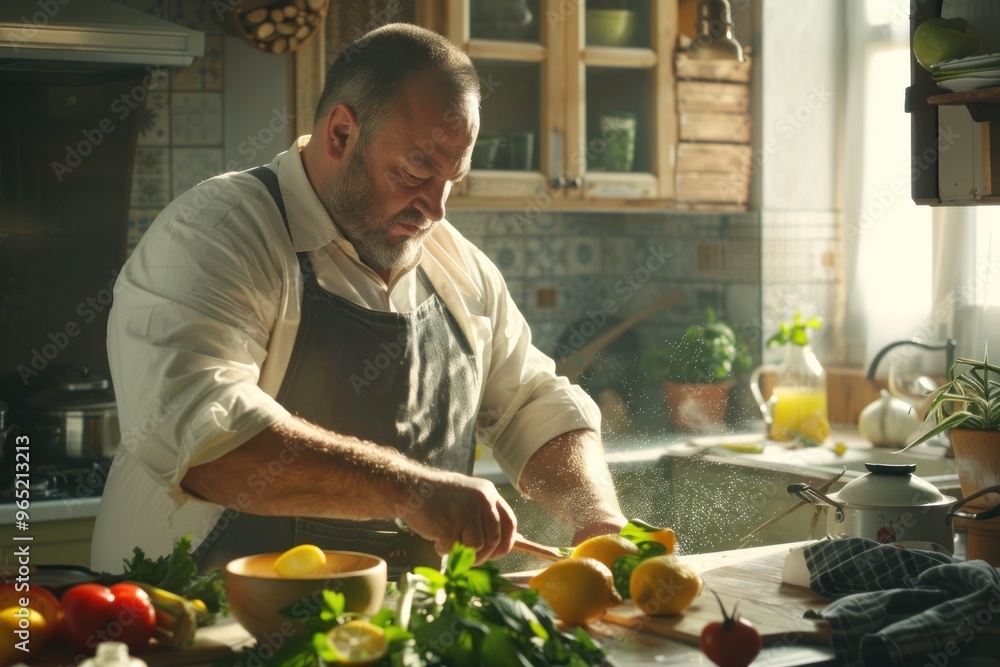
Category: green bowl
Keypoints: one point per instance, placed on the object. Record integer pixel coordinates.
(610, 27)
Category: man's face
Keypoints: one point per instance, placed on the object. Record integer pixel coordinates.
(355, 205)
(387, 200)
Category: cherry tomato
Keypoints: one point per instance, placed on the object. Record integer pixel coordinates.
(93, 614)
(38, 599)
(732, 642)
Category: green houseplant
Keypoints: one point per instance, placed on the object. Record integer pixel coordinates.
(694, 370)
(968, 407)
(969, 400)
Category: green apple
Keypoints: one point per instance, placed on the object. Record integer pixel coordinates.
(937, 40)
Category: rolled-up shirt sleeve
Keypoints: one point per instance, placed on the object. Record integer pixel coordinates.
(525, 403)
(187, 337)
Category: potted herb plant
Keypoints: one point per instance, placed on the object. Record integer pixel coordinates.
(695, 371)
(968, 407)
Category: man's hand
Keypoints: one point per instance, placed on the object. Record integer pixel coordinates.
(340, 477)
(458, 508)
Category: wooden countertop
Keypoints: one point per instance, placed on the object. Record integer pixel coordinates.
(626, 647)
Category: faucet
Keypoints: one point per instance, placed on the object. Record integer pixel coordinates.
(948, 345)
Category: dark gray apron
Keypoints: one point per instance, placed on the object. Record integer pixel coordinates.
(407, 380)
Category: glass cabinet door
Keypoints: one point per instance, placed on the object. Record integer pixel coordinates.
(620, 60)
(510, 41)
(578, 99)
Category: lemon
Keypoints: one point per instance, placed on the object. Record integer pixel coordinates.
(665, 536)
(577, 589)
(357, 642)
(10, 621)
(605, 548)
(815, 427)
(663, 585)
(300, 561)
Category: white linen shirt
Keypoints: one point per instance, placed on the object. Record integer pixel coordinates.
(203, 324)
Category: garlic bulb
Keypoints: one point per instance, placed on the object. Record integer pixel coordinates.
(888, 421)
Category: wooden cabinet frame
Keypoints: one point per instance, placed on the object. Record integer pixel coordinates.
(563, 58)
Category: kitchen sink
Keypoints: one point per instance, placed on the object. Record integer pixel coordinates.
(714, 498)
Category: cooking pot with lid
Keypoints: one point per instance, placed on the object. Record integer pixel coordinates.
(74, 417)
(891, 504)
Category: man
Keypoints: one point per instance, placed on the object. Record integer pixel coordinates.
(305, 352)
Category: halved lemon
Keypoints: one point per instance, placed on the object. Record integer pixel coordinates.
(357, 642)
(300, 561)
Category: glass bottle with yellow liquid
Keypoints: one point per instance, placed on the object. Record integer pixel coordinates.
(797, 407)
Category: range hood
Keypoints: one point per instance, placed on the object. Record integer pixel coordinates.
(90, 34)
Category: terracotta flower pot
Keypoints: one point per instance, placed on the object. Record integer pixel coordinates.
(697, 408)
(977, 457)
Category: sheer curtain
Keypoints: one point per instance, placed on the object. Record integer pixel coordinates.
(910, 271)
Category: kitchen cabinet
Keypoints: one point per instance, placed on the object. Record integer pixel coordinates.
(969, 174)
(62, 541)
(955, 137)
(552, 135)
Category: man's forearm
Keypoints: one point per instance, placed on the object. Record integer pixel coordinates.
(296, 469)
(569, 477)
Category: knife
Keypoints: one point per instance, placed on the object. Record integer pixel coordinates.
(521, 543)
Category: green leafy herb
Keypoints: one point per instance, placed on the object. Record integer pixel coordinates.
(638, 532)
(177, 573)
(706, 353)
(970, 400)
(795, 332)
(463, 616)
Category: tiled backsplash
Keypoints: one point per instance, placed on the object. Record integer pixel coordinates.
(565, 265)
(181, 138)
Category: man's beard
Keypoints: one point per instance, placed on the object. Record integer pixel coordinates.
(354, 206)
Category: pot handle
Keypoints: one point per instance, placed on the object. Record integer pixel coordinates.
(981, 516)
(811, 495)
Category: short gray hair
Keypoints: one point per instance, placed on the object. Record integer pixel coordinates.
(370, 72)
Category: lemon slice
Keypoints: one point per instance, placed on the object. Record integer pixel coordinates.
(357, 642)
(300, 561)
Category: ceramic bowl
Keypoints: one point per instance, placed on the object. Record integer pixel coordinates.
(610, 27)
(257, 594)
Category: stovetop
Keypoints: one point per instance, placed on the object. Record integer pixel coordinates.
(60, 481)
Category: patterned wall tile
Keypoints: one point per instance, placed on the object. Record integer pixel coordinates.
(196, 119)
(154, 126)
(151, 177)
(204, 73)
(139, 220)
(545, 256)
(583, 256)
(508, 253)
(191, 166)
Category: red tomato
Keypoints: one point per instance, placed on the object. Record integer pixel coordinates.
(93, 614)
(731, 642)
(38, 599)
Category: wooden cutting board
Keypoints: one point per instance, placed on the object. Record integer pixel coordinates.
(210, 645)
(775, 609)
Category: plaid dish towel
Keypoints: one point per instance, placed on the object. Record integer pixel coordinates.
(905, 606)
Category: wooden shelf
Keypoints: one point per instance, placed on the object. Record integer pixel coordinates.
(983, 103)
